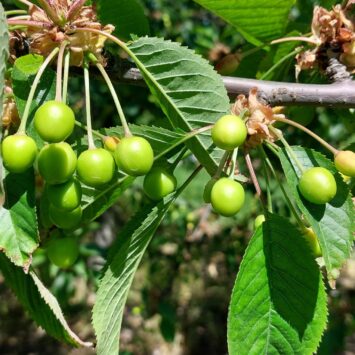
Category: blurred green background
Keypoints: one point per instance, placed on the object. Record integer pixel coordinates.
(180, 296)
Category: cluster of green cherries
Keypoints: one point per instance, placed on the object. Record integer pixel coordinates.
(317, 185)
(63, 172)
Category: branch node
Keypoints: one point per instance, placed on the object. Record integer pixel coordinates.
(337, 71)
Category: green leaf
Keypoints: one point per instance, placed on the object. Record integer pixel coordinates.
(333, 222)
(127, 16)
(278, 304)
(122, 264)
(23, 74)
(190, 92)
(95, 202)
(124, 261)
(41, 305)
(18, 223)
(257, 20)
(4, 53)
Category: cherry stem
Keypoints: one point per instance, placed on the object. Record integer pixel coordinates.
(15, 12)
(326, 145)
(27, 23)
(91, 142)
(284, 192)
(222, 163)
(127, 131)
(66, 76)
(234, 163)
(288, 148)
(180, 156)
(295, 38)
(25, 2)
(253, 175)
(58, 93)
(277, 64)
(20, 17)
(267, 182)
(189, 180)
(185, 138)
(96, 133)
(22, 128)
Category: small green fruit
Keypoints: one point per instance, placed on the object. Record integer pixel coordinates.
(229, 132)
(313, 243)
(96, 167)
(134, 155)
(259, 220)
(65, 219)
(62, 251)
(345, 162)
(208, 189)
(227, 197)
(111, 143)
(317, 185)
(54, 121)
(65, 196)
(18, 153)
(159, 183)
(57, 163)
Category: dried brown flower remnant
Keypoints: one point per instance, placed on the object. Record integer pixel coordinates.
(333, 37)
(10, 114)
(259, 118)
(56, 22)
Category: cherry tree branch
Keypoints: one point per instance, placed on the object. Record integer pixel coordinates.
(339, 94)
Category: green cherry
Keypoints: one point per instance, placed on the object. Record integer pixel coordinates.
(62, 251)
(229, 132)
(134, 155)
(208, 189)
(345, 162)
(159, 183)
(227, 197)
(96, 167)
(57, 163)
(313, 243)
(65, 196)
(318, 185)
(259, 220)
(65, 219)
(54, 121)
(18, 152)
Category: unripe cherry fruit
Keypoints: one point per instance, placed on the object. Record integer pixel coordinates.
(208, 189)
(345, 162)
(312, 241)
(159, 183)
(318, 185)
(57, 163)
(62, 251)
(65, 196)
(227, 197)
(259, 220)
(18, 152)
(134, 155)
(54, 121)
(96, 167)
(110, 143)
(65, 219)
(229, 132)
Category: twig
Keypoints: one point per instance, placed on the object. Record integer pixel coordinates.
(340, 94)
